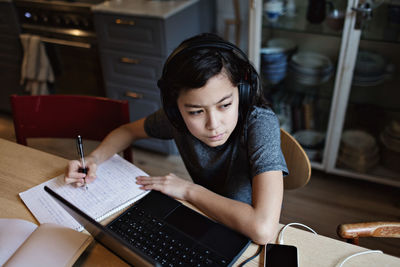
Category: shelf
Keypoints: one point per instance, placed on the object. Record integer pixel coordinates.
(381, 97)
(379, 175)
(381, 28)
(300, 25)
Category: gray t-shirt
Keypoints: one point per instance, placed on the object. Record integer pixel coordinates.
(227, 169)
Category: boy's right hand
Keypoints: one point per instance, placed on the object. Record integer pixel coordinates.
(73, 176)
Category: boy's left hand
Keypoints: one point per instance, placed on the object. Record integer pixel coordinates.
(169, 184)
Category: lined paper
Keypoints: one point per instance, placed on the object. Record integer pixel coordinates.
(114, 189)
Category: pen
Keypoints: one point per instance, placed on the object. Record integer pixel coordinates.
(79, 146)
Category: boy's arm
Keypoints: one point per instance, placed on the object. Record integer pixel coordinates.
(119, 139)
(258, 221)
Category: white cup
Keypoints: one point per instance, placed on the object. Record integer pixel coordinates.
(273, 9)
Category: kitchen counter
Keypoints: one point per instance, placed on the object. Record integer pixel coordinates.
(145, 8)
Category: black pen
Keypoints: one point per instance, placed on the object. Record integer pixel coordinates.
(79, 146)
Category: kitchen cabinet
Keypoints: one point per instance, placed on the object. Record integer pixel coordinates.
(348, 121)
(135, 38)
(10, 55)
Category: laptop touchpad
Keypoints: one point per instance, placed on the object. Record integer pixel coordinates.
(207, 232)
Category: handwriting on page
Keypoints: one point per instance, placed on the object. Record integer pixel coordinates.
(115, 184)
(114, 187)
(45, 208)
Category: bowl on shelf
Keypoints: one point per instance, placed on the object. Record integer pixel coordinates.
(358, 150)
(369, 63)
(390, 137)
(310, 68)
(358, 141)
(335, 20)
(312, 142)
(274, 76)
(310, 138)
(287, 45)
(272, 54)
(273, 64)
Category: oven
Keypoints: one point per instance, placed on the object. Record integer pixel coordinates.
(66, 28)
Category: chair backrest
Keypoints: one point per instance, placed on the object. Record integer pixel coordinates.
(353, 231)
(297, 162)
(66, 116)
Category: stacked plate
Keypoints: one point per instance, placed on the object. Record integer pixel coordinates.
(370, 69)
(288, 46)
(310, 68)
(390, 139)
(358, 150)
(274, 59)
(273, 64)
(312, 143)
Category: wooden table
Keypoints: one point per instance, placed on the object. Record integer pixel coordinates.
(22, 167)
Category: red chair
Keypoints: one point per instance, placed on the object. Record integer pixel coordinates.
(66, 116)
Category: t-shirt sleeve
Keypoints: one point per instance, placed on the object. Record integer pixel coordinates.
(158, 126)
(264, 142)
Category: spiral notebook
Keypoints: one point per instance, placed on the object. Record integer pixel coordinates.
(114, 189)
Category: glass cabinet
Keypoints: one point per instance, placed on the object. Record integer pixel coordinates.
(331, 71)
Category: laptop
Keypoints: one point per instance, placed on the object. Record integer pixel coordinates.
(158, 230)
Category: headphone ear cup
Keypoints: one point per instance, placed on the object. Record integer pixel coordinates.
(244, 95)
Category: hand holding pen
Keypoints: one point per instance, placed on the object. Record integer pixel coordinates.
(81, 154)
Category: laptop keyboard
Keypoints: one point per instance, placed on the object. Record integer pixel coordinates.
(162, 242)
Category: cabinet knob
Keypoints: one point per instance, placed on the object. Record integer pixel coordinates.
(133, 95)
(129, 60)
(125, 22)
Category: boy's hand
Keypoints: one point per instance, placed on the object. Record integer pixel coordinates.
(74, 176)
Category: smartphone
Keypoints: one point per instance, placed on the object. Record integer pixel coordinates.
(276, 255)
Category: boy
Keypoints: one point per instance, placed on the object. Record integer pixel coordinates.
(227, 136)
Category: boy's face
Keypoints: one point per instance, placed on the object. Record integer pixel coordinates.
(211, 112)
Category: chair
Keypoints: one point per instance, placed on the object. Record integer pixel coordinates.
(236, 22)
(66, 116)
(297, 162)
(353, 231)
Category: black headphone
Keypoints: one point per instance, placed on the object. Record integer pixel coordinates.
(247, 86)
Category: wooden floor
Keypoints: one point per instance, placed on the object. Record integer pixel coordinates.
(325, 202)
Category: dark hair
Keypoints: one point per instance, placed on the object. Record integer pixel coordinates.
(200, 58)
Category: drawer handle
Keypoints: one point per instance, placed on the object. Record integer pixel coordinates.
(130, 60)
(134, 95)
(125, 22)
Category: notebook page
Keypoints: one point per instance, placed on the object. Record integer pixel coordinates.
(13, 233)
(114, 188)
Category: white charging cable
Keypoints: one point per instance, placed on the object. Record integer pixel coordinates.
(280, 241)
(358, 254)
(280, 237)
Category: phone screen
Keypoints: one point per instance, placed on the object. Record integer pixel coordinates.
(280, 256)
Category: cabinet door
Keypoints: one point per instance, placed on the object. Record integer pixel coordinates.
(142, 102)
(298, 54)
(131, 69)
(130, 33)
(10, 55)
(367, 143)
(362, 127)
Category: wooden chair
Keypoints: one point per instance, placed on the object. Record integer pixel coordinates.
(66, 116)
(297, 162)
(353, 231)
(236, 22)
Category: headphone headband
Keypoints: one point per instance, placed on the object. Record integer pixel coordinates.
(211, 42)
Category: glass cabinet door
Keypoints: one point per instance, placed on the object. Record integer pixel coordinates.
(369, 145)
(331, 70)
(298, 59)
